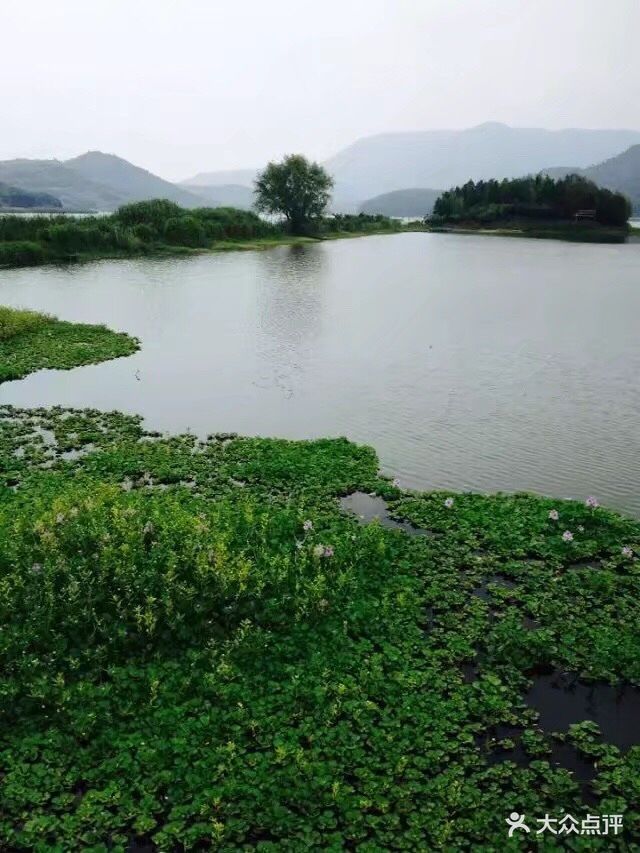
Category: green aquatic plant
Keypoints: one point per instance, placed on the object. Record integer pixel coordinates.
(30, 341)
(199, 649)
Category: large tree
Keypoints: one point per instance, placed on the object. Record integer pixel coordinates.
(296, 188)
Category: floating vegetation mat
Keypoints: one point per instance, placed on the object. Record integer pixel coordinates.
(201, 647)
(30, 341)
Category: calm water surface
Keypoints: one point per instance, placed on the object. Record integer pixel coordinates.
(481, 363)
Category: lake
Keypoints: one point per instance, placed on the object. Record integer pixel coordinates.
(473, 362)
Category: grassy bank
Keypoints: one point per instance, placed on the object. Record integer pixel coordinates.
(199, 648)
(159, 228)
(30, 341)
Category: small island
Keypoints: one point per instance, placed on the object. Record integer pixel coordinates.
(570, 208)
(31, 341)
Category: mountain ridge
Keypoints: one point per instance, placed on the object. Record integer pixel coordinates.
(386, 162)
(133, 183)
(620, 173)
(440, 158)
(92, 181)
(369, 167)
(413, 201)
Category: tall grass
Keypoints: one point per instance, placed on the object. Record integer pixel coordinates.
(14, 322)
(151, 226)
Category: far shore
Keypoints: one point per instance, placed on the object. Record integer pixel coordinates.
(568, 231)
(228, 245)
(571, 232)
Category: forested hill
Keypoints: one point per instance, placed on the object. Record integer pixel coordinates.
(445, 158)
(534, 198)
(386, 163)
(14, 197)
(620, 173)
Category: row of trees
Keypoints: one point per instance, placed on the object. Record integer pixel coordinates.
(539, 197)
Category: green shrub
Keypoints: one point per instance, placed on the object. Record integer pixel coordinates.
(20, 253)
(15, 322)
(154, 213)
(184, 231)
(144, 232)
(67, 238)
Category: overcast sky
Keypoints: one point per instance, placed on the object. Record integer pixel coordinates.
(182, 86)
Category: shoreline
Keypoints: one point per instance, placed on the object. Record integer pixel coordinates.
(242, 245)
(568, 232)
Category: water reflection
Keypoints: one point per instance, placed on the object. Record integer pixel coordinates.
(288, 315)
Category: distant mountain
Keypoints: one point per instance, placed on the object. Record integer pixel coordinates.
(52, 176)
(244, 177)
(621, 173)
(130, 182)
(382, 164)
(223, 195)
(444, 158)
(17, 198)
(344, 200)
(412, 202)
(370, 167)
(93, 181)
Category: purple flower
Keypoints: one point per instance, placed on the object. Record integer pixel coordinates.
(592, 502)
(567, 536)
(448, 503)
(328, 551)
(554, 515)
(307, 525)
(627, 552)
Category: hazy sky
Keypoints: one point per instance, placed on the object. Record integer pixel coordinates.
(181, 86)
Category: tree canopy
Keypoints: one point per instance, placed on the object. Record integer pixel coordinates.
(295, 188)
(539, 197)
